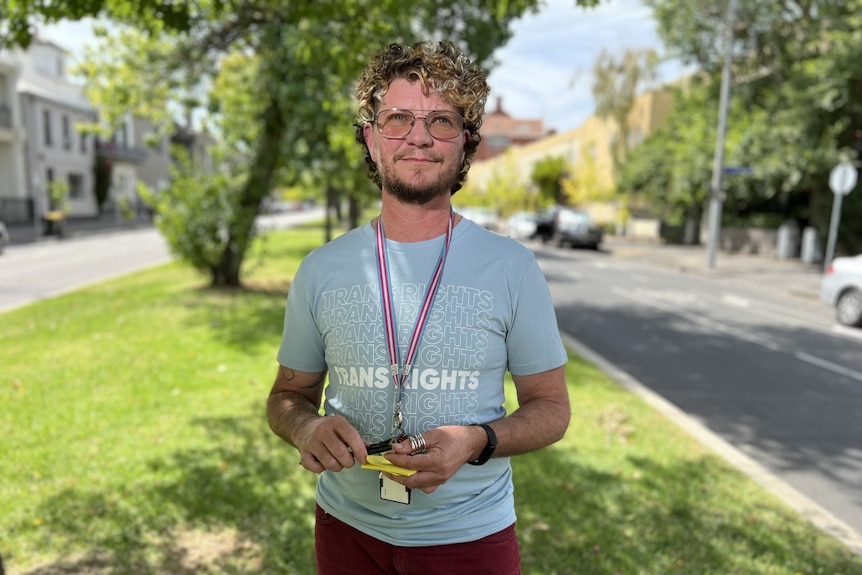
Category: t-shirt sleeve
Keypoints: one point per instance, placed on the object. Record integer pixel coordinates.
(301, 343)
(533, 342)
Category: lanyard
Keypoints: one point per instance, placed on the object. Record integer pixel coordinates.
(399, 373)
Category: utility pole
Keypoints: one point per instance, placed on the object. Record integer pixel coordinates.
(715, 194)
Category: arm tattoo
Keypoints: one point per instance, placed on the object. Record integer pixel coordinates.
(290, 376)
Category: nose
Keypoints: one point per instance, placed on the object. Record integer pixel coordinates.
(419, 134)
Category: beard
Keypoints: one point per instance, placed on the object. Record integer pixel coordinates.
(418, 193)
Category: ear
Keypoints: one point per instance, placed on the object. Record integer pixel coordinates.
(467, 136)
(368, 135)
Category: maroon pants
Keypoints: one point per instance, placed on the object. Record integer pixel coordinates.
(342, 550)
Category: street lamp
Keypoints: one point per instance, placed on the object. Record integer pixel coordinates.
(715, 194)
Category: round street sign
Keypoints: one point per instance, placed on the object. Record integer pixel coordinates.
(842, 178)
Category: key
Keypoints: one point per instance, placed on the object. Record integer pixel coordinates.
(379, 447)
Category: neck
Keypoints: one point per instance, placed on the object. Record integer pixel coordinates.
(413, 223)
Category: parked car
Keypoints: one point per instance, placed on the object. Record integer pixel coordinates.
(485, 217)
(4, 237)
(545, 224)
(521, 225)
(842, 288)
(565, 226)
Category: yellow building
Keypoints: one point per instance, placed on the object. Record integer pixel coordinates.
(587, 147)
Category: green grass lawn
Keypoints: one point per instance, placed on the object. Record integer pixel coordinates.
(134, 441)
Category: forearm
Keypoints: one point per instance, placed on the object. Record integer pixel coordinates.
(540, 420)
(289, 413)
(532, 426)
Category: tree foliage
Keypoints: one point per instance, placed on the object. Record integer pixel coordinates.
(303, 59)
(584, 185)
(548, 175)
(616, 85)
(795, 110)
(504, 191)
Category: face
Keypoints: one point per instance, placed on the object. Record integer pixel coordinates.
(418, 168)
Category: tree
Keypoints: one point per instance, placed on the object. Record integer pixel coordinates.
(668, 174)
(584, 185)
(504, 192)
(796, 99)
(616, 86)
(308, 54)
(548, 175)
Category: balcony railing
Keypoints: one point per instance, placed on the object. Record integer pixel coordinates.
(119, 153)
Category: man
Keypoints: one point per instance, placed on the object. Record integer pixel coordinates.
(417, 364)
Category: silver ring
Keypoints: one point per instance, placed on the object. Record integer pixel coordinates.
(417, 444)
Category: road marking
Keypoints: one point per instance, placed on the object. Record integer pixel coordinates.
(644, 299)
(829, 365)
(735, 300)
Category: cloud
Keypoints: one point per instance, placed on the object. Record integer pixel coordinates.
(545, 70)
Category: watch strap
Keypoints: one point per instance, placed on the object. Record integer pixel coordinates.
(490, 447)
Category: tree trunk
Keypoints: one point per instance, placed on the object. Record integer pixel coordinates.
(330, 204)
(353, 214)
(259, 184)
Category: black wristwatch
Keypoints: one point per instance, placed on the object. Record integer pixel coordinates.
(489, 449)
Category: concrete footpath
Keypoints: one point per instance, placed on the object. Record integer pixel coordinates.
(790, 276)
(22, 234)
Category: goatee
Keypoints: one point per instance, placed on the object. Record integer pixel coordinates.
(419, 194)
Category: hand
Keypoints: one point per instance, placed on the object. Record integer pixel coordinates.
(329, 443)
(446, 450)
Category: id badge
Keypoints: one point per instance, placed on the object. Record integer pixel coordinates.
(393, 491)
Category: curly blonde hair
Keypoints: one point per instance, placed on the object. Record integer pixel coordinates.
(438, 66)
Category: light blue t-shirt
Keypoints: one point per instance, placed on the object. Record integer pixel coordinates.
(492, 312)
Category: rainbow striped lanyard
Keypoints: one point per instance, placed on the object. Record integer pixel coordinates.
(401, 373)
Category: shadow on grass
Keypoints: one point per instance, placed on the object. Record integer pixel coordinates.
(665, 518)
(243, 319)
(241, 505)
(247, 490)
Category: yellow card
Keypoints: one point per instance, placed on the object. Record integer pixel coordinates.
(380, 463)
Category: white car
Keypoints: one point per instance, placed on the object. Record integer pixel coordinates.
(521, 225)
(842, 288)
(485, 217)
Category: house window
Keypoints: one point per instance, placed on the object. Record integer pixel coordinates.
(121, 136)
(67, 133)
(46, 120)
(76, 186)
(498, 142)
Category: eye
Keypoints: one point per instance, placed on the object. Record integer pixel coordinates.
(398, 117)
(443, 120)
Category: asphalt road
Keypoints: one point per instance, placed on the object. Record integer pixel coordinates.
(39, 270)
(766, 377)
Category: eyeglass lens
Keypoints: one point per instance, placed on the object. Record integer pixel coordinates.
(442, 125)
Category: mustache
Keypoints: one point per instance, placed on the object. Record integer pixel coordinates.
(414, 156)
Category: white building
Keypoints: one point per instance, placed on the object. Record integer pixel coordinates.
(14, 200)
(52, 108)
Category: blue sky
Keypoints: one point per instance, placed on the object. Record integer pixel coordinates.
(545, 71)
